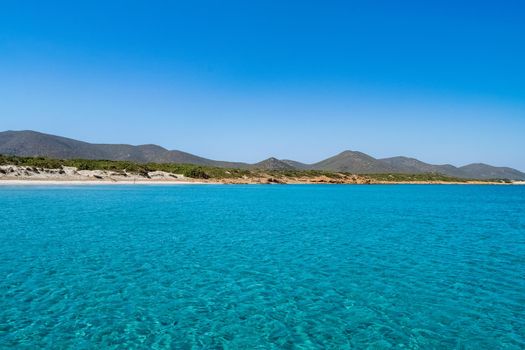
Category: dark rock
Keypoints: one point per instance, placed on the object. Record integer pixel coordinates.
(272, 180)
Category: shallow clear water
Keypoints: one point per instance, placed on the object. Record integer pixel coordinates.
(269, 267)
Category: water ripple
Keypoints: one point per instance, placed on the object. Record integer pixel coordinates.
(263, 267)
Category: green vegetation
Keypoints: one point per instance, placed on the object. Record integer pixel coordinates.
(189, 170)
(415, 177)
(303, 173)
(207, 172)
(425, 177)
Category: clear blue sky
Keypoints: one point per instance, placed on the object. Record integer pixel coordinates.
(443, 81)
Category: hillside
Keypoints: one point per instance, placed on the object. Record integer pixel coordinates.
(415, 166)
(484, 171)
(472, 171)
(40, 170)
(35, 144)
(354, 162)
(273, 164)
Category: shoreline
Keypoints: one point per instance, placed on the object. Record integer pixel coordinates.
(68, 182)
(15, 175)
(40, 182)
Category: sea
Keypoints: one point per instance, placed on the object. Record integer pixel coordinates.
(262, 267)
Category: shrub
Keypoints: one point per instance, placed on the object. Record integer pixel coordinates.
(196, 173)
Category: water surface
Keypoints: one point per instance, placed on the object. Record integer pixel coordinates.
(269, 267)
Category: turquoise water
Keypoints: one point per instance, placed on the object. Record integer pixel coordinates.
(266, 267)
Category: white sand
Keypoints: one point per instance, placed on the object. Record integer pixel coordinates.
(94, 182)
(23, 175)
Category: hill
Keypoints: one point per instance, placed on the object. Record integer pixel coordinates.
(273, 164)
(35, 144)
(485, 171)
(415, 166)
(354, 162)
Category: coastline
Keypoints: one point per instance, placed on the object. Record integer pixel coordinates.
(14, 175)
(65, 182)
(70, 182)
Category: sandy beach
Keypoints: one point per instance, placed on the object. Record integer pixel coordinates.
(69, 182)
(12, 175)
(20, 175)
(28, 182)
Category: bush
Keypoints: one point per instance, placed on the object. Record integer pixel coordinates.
(196, 173)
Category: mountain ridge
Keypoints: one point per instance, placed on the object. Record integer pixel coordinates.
(30, 143)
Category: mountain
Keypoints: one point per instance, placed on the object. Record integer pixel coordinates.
(414, 166)
(355, 162)
(32, 144)
(296, 165)
(485, 171)
(472, 171)
(273, 164)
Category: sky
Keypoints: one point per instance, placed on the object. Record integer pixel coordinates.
(441, 81)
